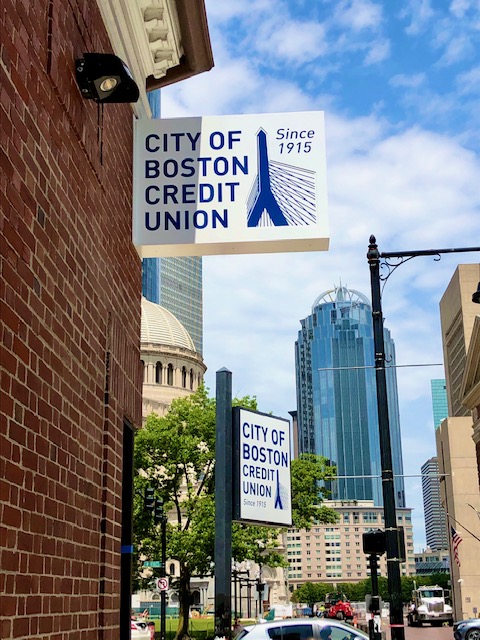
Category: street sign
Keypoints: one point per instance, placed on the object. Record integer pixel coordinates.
(262, 486)
(156, 564)
(162, 584)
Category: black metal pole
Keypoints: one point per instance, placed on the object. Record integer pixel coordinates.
(373, 562)
(235, 595)
(240, 613)
(223, 505)
(391, 530)
(163, 573)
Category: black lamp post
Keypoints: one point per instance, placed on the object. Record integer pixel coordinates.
(375, 257)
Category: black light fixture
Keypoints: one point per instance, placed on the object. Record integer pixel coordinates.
(103, 77)
(476, 295)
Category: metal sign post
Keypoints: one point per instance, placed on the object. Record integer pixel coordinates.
(223, 505)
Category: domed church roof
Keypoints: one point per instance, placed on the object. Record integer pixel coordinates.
(161, 327)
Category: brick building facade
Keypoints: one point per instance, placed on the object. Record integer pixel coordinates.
(70, 293)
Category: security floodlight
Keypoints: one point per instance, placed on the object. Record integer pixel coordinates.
(103, 77)
(476, 295)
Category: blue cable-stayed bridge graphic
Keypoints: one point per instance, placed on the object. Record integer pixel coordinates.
(282, 194)
(281, 495)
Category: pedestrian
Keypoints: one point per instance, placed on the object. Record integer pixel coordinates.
(237, 627)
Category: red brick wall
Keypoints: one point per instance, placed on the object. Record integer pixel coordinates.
(70, 291)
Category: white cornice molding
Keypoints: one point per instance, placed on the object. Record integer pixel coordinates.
(145, 34)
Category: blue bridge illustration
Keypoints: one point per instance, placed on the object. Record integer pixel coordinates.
(281, 496)
(282, 194)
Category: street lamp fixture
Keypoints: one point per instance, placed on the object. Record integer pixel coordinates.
(376, 260)
(476, 295)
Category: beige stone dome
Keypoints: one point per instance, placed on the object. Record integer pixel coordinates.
(160, 327)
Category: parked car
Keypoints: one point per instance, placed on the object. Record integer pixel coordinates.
(139, 630)
(467, 629)
(302, 629)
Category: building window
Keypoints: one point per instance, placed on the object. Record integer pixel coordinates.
(170, 375)
(184, 378)
(158, 373)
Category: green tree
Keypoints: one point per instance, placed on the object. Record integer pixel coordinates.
(311, 592)
(175, 454)
(308, 473)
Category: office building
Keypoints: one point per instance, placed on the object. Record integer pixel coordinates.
(181, 292)
(334, 552)
(336, 395)
(435, 519)
(439, 401)
(456, 448)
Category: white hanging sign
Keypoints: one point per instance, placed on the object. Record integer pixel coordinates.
(230, 184)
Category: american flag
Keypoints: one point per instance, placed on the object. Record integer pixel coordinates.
(456, 540)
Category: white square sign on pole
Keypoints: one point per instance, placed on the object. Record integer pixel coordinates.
(262, 459)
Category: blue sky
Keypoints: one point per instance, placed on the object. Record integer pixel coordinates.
(400, 87)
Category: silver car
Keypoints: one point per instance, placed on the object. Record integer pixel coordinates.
(467, 629)
(302, 629)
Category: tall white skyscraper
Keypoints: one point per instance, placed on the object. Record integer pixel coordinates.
(435, 518)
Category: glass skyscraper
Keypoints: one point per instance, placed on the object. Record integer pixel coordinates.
(439, 401)
(176, 283)
(336, 395)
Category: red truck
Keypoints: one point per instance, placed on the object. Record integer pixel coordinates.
(337, 606)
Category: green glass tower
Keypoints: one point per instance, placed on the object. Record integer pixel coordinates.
(439, 401)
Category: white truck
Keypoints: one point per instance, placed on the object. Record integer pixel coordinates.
(428, 605)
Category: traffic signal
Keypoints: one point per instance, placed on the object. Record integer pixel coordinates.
(149, 501)
(373, 603)
(159, 513)
(374, 542)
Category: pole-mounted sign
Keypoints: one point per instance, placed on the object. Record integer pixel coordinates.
(261, 468)
(230, 184)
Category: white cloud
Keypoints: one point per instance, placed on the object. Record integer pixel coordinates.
(459, 8)
(420, 13)
(291, 41)
(456, 49)
(358, 15)
(468, 82)
(378, 52)
(235, 9)
(411, 81)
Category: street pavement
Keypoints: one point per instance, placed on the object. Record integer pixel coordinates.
(424, 633)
